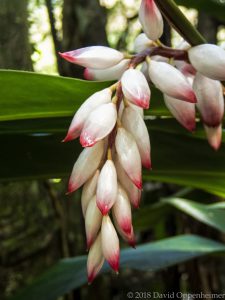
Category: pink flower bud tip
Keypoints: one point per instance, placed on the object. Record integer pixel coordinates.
(104, 209)
(142, 102)
(69, 137)
(87, 74)
(147, 163)
(126, 226)
(91, 277)
(214, 136)
(90, 242)
(114, 262)
(138, 184)
(72, 186)
(86, 140)
(190, 95)
(131, 240)
(67, 56)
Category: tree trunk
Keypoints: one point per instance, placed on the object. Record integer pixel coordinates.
(84, 24)
(15, 50)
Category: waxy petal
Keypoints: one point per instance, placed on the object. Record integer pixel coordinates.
(209, 60)
(151, 19)
(88, 191)
(95, 259)
(185, 68)
(183, 111)
(85, 166)
(133, 192)
(122, 211)
(171, 81)
(214, 136)
(97, 57)
(112, 73)
(140, 110)
(135, 88)
(209, 93)
(134, 123)
(110, 243)
(84, 111)
(129, 238)
(144, 70)
(99, 124)
(93, 220)
(129, 156)
(141, 43)
(107, 187)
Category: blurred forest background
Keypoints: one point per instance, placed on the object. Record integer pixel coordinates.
(38, 223)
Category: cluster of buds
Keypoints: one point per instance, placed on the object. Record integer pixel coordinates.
(112, 130)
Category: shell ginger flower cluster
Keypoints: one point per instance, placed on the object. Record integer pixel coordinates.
(113, 133)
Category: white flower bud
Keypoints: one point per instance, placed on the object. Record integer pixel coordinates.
(151, 19)
(133, 192)
(144, 70)
(183, 111)
(171, 81)
(95, 259)
(107, 187)
(135, 88)
(129, 156)
(210, 103)
(185, 68)
(97, 57)
(93, 220)
(112, 73)
(214, 136)
(85, 166)
(122, 211)
(134, 123)
(209, 60)
(99, 124)
(110, 243)
(83, 112)
(88, 191)
(141, 43)
(128, 237)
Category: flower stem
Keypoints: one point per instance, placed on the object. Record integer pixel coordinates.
(177, 20)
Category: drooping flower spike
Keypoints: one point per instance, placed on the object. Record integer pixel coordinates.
(111, 126)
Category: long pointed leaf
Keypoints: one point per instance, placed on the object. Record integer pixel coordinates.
(71, 273)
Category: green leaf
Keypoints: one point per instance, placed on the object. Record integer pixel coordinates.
(31, 148)
(177, 157)
(70, 273)
(187, 161)
(27, 95)
(178, 20)
(30, 95)
(211, 215)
